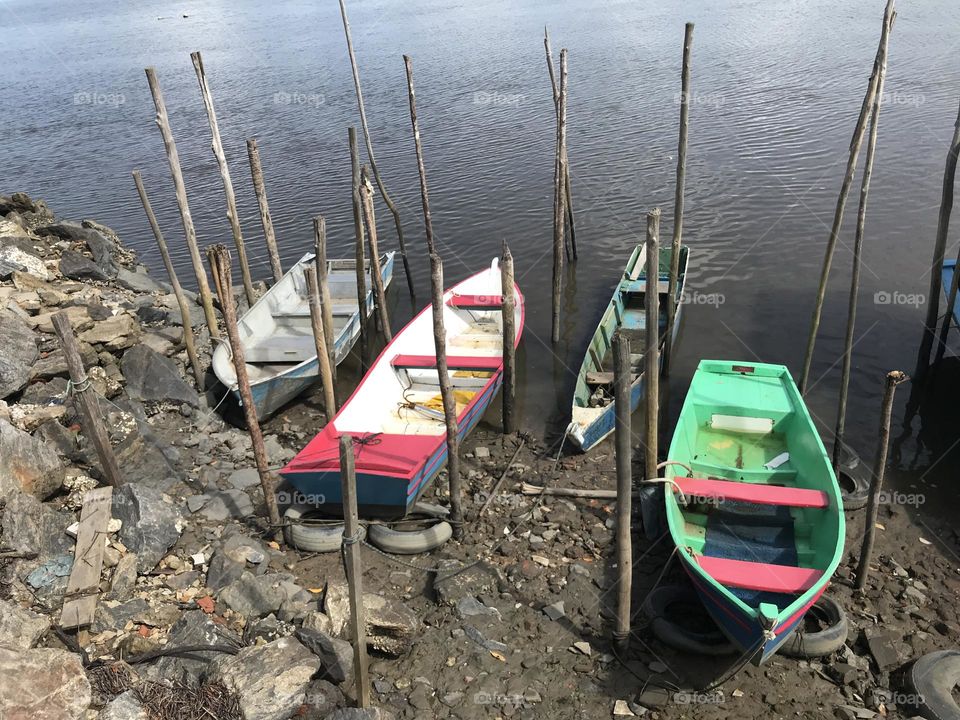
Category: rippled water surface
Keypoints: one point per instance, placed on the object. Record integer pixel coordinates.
(777, 86)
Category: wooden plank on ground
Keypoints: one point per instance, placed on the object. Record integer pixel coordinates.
(80, 600)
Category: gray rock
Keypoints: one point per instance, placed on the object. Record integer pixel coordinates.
(75, 266)
(125, 706)
(244, 478)
(196, 628)
(391, 625)
(480, 639)
(30, 526)
(336, 656)
(223, 570)
(114, 615)
(18, 352)
(100, 247)
(138, 282)
(471, 607)
(124, 578)
(361, 714)
(151, 523)
(225, 504)
(152, 377)
(18, 254)
(555, 610)
(58, 688)
(881, 646)
(454, 584)
(254, 596)
(323, 697)
(55, 364)
(114, 333)
(19, 627)
(27, 464)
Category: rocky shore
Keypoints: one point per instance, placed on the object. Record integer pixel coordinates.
(200, 613)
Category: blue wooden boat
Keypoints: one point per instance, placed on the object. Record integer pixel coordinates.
(277, 335)
(947, 274)
(592, 414)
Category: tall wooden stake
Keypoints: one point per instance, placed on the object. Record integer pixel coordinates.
(187, 323)
(376, 278)
(85, 400)
(894, 378)
(855, 144)
(418, 146)
(360, 253)
(189, 232)
(678, 197)
(566, 176)
(219, 258)
(622, 380)
(269, 237)
(509, 305)
(373, 161)
(559, 199)
(651, 375)
(351, 551)
(319, 337)
(326, 305)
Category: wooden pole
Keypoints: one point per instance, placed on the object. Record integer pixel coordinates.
(326, 305)
(559, 199)
(622, 380)
(319, 337)
(219, 258)
(678, 197)
(189, 232)
(188, 339)
(855, 273)
(509, 304)
(85, 400)
(566, 176)
(269, 237)
(376, 278)
(855, 145)
(418, 146)
(352, 535)
(651, 373)
(894, 378)
(360, 253)
(217, 146)
(373, 161)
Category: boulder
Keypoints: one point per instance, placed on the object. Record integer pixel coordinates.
(54, 364)
(28, 463)
(139, 282)
(75, 266)
(254, 596)
(336, 656)
(17, 254)
(151, 523)
(29, 526)
(100, 247)
(58, 688)
(225, 504)
(125, 706)
(115, 333)
(151, 377)
(18, 352)
(78, 315)
(194, 628)
(391, 625)
(19, 627)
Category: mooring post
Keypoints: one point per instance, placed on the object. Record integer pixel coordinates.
(219, 258)
(188, 339)
(319, 337)
(373, 161)
(559, 199)
(651, 375)
(359, 249)
(189, 231)
(678, 197)
(855, 272)
(508, 307)
(418, 147)
(376, 278)
(622, 380)
(894, 378)
(269, 237)
(855, 144)
(326, 305)
(566, 175)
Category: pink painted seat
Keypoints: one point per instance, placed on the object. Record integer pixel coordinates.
(752, 492)
(759, 576)
(475, 301)
(454, 362)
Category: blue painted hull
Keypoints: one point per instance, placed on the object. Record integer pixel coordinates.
(947, 275)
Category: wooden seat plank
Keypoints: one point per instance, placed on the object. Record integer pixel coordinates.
(454, 362)
(490, 302)
(752, 492)
(748, 575)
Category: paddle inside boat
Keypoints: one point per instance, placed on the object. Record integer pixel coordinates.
(277, 335)
(396, 414)
(752, 502)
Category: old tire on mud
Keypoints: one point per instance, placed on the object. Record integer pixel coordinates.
(430, 510)
(827, 614)
(410, 542)
(326, 537)
(853, 476)
(665, 605)
(932, 679)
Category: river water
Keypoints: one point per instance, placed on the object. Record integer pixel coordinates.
(777, 86)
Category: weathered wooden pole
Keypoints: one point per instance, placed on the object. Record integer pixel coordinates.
(622, 380)
(376, 278)
(326, 305)
(217, 146)
(508, 306)
(373, 161)
(678, 197)
(189, 231)
(651, 375)
(855, 273)
(418, 146)
(219, 258)
(855, 144)
(894, 378)
(319, 337)
(359, 249)
(269, 237)
(559, 199)
(566, 176)
(188, 339)
(85, 400)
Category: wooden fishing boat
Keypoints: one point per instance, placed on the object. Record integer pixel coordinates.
(592, 415)
(277, 335)
(752, 502)
(396, 415)
(949, 266)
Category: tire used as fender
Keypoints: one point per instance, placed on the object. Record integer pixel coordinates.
(932, 679)
(311, 537)
(410, 542)
(700, 642)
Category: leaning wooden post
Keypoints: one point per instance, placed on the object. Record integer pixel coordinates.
(508, 306)
(566, 175)
(418, 147)
(174, 282)
(360, 253)
(217, 146)
(894, 378)
(85, 400)
(319, 338)
(559, 199)
(326, 305)
(189, 231)
(219, 258)
(376, 278)
(855, 273)
(269, 237)
(678, 197)
(622, 381)
(373, 161)
(651, 375)
(855, 144)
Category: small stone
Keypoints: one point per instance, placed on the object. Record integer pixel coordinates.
(583, 647)
(244, 478)
(622, 709)
(481, 453)
(125, 706)
(882, 649)
(555, 610)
